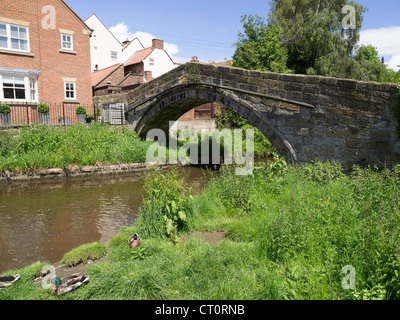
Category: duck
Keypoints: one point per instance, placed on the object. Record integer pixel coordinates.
(135, 241)
(6, 281)
(68, 283)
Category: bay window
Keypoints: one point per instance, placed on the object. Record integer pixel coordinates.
(18, 85)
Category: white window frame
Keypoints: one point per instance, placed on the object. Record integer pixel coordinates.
(70, 42)
(14, 87)
(152, 62)
(74, 90)
(9, 37)
(33, 89)
(30, 78)
(112, 56)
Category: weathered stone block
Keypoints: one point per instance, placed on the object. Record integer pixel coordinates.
(289, 106)
(293, 86)
(378, 146)
(303, 132)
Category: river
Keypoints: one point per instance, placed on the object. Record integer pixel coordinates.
(42, 220)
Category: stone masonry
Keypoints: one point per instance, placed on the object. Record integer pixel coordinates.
(306, 118)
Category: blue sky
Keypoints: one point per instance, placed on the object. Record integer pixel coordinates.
(207, 29)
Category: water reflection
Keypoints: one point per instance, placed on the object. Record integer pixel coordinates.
(41, 220)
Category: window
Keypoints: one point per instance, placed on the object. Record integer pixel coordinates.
(13, 88)
(13, 37)
(32, 83)
(70, 92)
(151, 61)
(114, 55)
(19, 85)
(66, 42)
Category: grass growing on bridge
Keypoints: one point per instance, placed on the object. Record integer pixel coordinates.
(289, 237)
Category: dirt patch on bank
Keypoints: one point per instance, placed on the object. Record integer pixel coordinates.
(214, 237)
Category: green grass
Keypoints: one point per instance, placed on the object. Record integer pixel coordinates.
(41, 147)
(84, 253)
(288, 238)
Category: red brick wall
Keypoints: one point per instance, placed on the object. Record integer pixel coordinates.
(188, 116)
(137, 68)
(205, 111)
(116, 77)
(133, 80)
(45, 45)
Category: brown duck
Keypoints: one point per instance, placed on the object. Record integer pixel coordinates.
(135, 241)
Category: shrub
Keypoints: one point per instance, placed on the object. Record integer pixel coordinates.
(43, 108)
(80, 110)
(5, 109)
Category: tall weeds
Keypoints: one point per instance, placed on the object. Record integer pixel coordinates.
(43, 147)
(167, 208)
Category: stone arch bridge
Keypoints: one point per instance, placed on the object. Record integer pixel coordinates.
(306, 118)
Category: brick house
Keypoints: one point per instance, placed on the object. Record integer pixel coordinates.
(44, 53)
(142, 66)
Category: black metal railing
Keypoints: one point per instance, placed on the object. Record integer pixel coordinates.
(60, 114)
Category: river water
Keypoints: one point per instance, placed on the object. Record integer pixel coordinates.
(42, 220)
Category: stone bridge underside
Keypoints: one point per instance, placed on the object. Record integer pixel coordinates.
(306, 118)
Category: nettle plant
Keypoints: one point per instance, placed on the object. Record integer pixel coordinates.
(43, 108)
(5, 109)
(166, 205)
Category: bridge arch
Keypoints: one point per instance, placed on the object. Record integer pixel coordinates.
(173, 103)
(306, 118)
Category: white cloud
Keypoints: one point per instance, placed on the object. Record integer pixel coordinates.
(387, 41)
(121, 32)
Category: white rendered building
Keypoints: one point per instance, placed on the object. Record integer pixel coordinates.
(105, 49)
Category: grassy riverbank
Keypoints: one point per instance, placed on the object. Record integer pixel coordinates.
(289, 232)
(41, 147)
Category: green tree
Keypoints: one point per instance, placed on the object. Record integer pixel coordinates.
(368, 53)
(391, 76)
(314, 34)
(260, 47)
(364, 65)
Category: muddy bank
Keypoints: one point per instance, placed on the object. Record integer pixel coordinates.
(77, 171)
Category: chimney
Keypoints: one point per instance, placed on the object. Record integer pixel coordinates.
(158, 44)
(194, 59)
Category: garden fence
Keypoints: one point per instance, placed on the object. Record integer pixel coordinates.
(60, 114)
